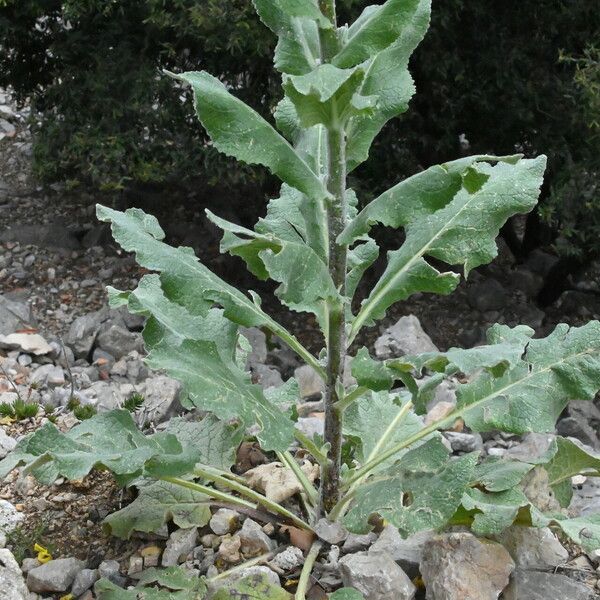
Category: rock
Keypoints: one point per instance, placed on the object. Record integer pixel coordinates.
(331, 532)
(406, 336)
(376, 576)
(458, 566)
(309, 382)
(48, 375)
(536, 585)
(225, 521)
(258, 343)
(266, 376)
(10, 517)
(254, 540)
(444, 393)
(110, 569)
(82, 334)
(311, 426)
(48, 235)
(582, 422)
(54, 576)
(12, 584)
(29, 563)
(84, 580)
(439, 411)
(487, 295)
(150, 554)
(161, 398)
(533, 548)
(357, 542)
(32, 343)
(536, 486)
(179, 545)
(136, 565)
(104, 396)
(464, 442)
(533, 446)
(541, 262)
(118, 341)
(407, 552)
(289, 559)
(229, 550)
(278, 482)
(7, 443)
(526, 281)
(14, 315)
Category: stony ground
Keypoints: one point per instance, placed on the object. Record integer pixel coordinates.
(55, 262)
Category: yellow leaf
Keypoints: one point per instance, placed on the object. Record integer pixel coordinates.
(6, 420)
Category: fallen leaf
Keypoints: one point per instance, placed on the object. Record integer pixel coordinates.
(277, 482)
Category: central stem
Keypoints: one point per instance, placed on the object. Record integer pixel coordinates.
(336, 338)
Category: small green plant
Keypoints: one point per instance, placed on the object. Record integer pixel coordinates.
(20, 409)
(84, 412)
(7, 410)
(341, 86)
(133, 403)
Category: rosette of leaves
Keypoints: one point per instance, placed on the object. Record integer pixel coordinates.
(341, 85)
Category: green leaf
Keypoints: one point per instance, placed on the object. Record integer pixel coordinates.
(378, 422)
(179, 584)
(157, 504)
(213, 383)
(388, 79)
(377, 28)
(328, 96)
(463, 232)
(346, 594)
(371, 373)
(499, 474)
(530, 397)
(412, 502)
(296, 22)
(239, 131)
(360, 258)
(584, 531)
(253, 587)
(568, 459)
(111, 440)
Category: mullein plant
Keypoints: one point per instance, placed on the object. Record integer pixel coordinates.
(341, 85)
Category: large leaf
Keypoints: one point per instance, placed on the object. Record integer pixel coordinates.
(412, 501)
(377, 421)
(157, 504)
(463, 232)
(220, 386)
(111, 440)
(328, 96)
(388, 79)
(530, 396)
(377, 28)
(252, 587)
(239, 131)
(297, 23)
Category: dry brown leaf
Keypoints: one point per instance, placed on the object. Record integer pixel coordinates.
(277, 482)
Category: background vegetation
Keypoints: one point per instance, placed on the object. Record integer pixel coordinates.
(520, 75)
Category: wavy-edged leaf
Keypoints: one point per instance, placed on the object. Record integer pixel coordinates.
(463, 232)
(296, 23)
(174, 578)
(500, 474)
(379, 421)
(412, 502)
(110, 440)
(213, 383)
(568, 458)
(346, 594)
(158, 503)
(378, 27)
(239, 131)
(530, 397)
(360, 258)
(328, 96)
(388, 79)
(252, 587)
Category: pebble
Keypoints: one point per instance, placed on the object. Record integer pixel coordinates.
(54, 576)
(533, 548)
(254, 540)
(289, 559)
(84, 580)
(179, 545)
(536, 585)
(222, 522)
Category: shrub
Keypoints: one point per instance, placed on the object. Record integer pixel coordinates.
(342, 85)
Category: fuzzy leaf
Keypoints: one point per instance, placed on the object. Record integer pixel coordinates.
(360, 258)
(110, 440)
(328, 96)
(297, 23)
(375, 29)
(388, 79)
(530, 397)
(499, 474)
(220, 386)
(371, 373)
(174, 578)
(157, 504)
(412, 502)
(238, 131)
(463, 232)
(252, 587)
(569, 459)
(346, 594)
